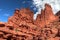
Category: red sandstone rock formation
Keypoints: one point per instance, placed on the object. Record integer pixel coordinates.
(21, 26)
(46, 16)
(21, 16)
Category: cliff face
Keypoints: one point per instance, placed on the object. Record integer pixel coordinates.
(22, 16)
(46, 16)
(22, 26)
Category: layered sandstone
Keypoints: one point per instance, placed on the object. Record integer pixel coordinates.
(21, 25)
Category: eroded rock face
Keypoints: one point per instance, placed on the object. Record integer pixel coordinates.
(46, 16)
(21, 26)
(21, 16)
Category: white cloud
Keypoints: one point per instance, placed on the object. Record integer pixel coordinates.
(35, 15)
(55, 4)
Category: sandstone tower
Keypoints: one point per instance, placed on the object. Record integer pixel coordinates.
(46, 16)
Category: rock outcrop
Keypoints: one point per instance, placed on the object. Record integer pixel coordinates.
(21, 17)
(46, 16)
(22, 26)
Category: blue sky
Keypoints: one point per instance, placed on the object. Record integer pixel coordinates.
(7, 7)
